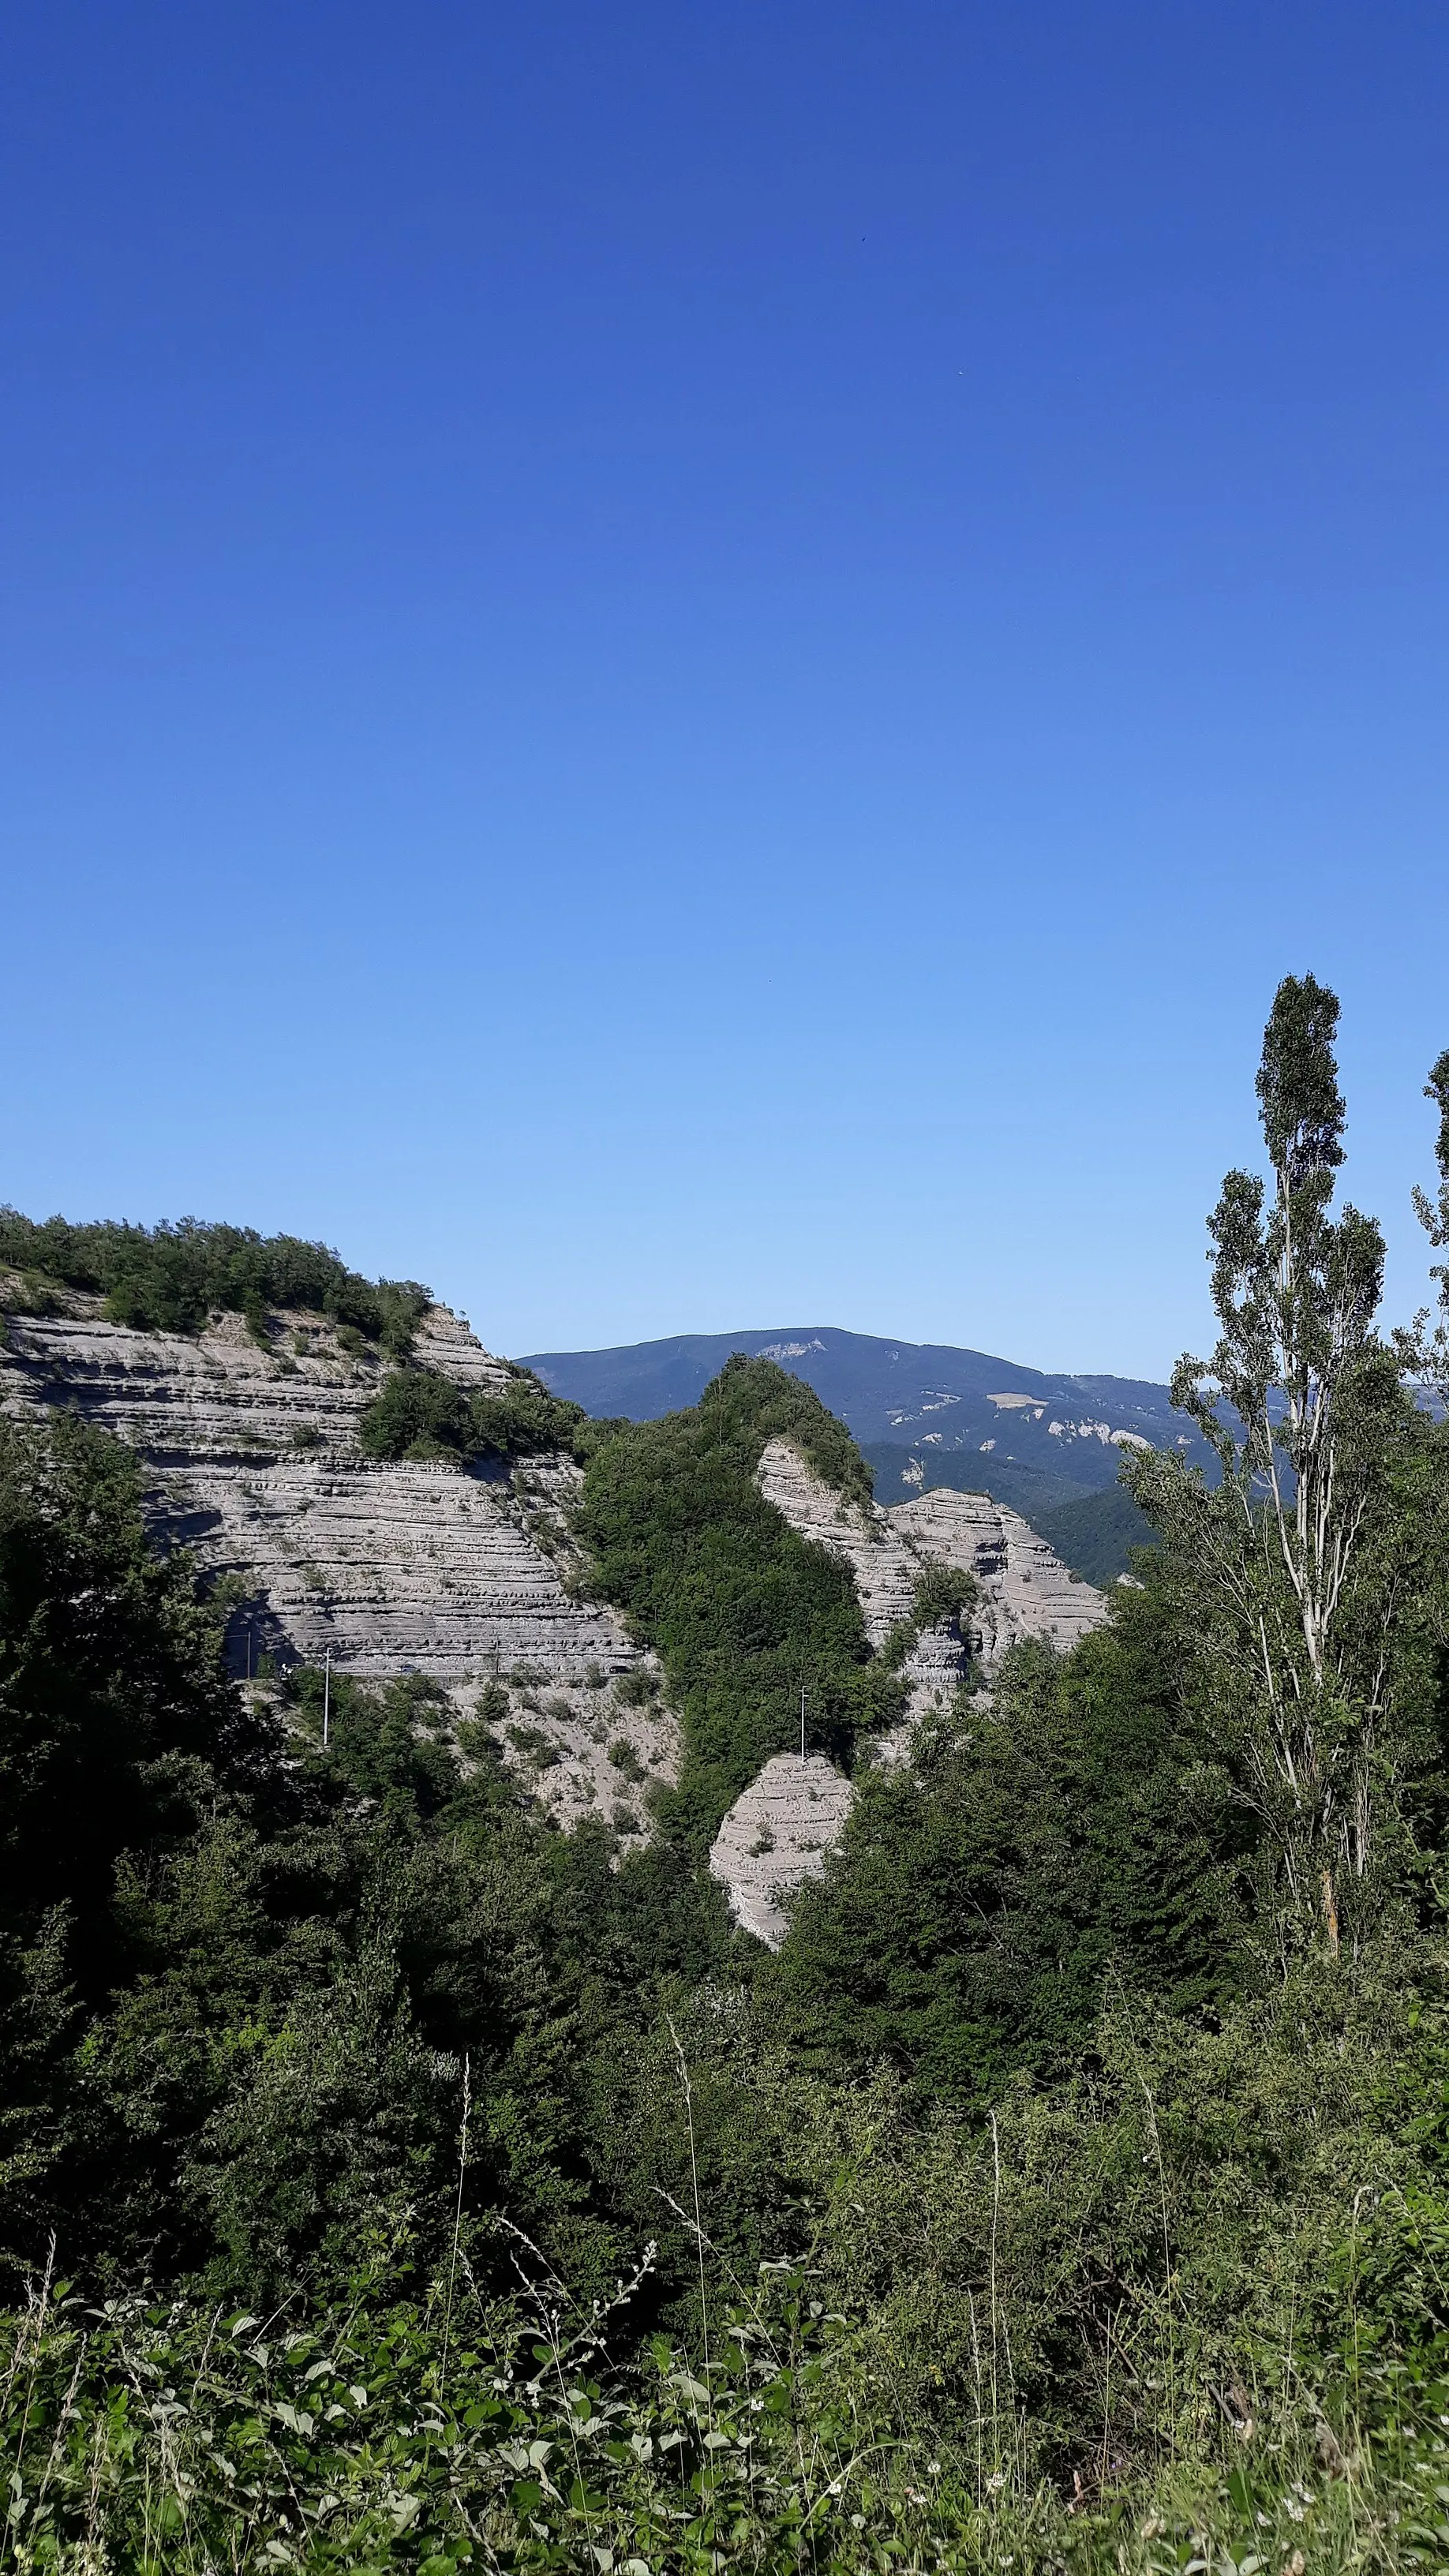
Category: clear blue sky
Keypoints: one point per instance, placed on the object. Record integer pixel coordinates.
(695, 666)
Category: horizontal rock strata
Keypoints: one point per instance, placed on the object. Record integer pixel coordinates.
(886, 1566)
(1022, 1590)
(252, 1460)
(776, 1835)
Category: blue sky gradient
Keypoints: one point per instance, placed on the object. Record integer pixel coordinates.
(684, 668)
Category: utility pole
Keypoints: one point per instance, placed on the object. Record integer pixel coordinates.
(802, 1726)
(326, 1696)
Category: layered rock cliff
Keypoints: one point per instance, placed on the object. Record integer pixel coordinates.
(782, 1827)
(252, 1460)
(777, 1834)
(1022, 1589)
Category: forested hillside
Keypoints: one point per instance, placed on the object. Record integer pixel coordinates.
(392, 2179)
(925, 1416)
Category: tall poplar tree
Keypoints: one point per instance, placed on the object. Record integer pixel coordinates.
(1423, 1351)
(1296, 1580)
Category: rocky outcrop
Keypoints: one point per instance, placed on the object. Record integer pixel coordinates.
(887, 1568)
(1022, 1588)
(252, 1460)
(776, 1835)
(780, 1830)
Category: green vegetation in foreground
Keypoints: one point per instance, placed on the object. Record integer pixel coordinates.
(362, 2438)
(742, 1610)
(1070, 2194)
(169, 1278)
(1075, 1835)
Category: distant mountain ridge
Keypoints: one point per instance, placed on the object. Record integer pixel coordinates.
(925, 1413)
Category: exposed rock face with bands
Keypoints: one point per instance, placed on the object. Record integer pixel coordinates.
(777, 1834)
(779, 1831)
(252, 1460)
(1022, 1589)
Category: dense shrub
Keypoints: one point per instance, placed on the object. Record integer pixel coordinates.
(1073, 1824)
(536, 2430)
(116, 1725)
(418, 1414)
(526, 1419)
(170, 1277)
(240, 1970)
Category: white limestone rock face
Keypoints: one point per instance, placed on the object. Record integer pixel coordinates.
(252, 1460)
(1022, 1590)
(886, 1563)
(780, 1830)
(777, 1834)
(885, 1569)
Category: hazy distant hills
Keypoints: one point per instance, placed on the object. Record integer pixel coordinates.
(925, 1414)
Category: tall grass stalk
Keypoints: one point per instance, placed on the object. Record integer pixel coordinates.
(457, 2215)
(688, 2092)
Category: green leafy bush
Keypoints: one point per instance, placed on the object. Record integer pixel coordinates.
(418, 1414)
(170, 1277)
(525, 1420)
(942, 1592)
(636, 1687)
(982, 1895)
(171, 2435)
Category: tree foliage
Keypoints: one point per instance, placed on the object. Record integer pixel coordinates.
(421, 1414)
(239, 1972)
(169, 1278)
(1301, 1567)
(1072, 1827)
(1424, 1348)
